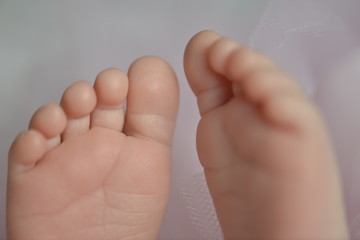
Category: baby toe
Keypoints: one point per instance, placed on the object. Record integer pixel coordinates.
(49, 120)
(111, 87)
(78, 102)
(27, 149)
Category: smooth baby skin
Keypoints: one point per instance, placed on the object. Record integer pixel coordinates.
(87, 169)
(267, 157)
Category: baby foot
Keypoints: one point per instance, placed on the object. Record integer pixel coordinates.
(89, 170)
(266, 154)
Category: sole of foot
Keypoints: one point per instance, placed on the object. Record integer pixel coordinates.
(266, 153)
(88, 168)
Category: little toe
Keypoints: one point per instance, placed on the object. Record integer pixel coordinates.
(27, 149)
(50, 121)
(111, 87)
(153, 100)
(212, 89)
(78, 102)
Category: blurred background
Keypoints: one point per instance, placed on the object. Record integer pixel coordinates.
(47, 45)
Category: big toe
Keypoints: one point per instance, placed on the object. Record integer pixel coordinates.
(153, 100)
(211, 89)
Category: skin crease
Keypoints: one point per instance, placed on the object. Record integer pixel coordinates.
(87, 169)
(266, 153)
(105, 187)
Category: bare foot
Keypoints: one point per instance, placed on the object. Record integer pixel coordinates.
(87, 170)
(266, 154)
